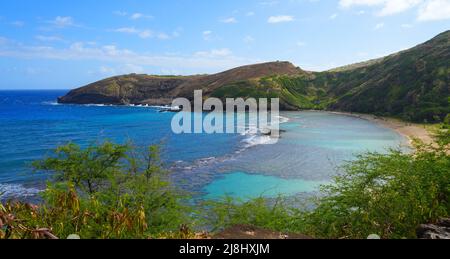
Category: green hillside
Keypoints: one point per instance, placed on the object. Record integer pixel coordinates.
(412, 85)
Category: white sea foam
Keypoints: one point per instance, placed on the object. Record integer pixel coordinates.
(52, 103)
(55, 103)
(9, 191)
(159, 106)
(283, 119)
(206, 161)
(253, 137)
(199, 163)
(95, 105)
(257, 136)
(256, 140)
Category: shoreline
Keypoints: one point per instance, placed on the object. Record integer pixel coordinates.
(412, 131)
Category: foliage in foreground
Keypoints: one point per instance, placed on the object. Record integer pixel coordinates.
(109, 192)
(104, 191)
(389, 195)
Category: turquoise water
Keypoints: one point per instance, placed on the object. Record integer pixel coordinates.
(246, 186)
(310, 150)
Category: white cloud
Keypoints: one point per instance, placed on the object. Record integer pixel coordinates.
(398, 6)
(120, 13)
(133, 16)
(137, 16)
(333, 16)
(119, 70)
(207, 35)
(48, 38)
(63, 21)
(379, 26)
(388, 7)
(104, 70)
(427, 10)
(169, 72)
(131, 68)
(214, 53)
(250, 14)
(301, 44)
(434, 10)
(249, 39)
(350, 3)
(144, 34)
(229, 20)
(147, 33)
(130, 30)
(269, 3)
(202, 61)
(280, 19)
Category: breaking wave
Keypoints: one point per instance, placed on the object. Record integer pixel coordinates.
(11, 191)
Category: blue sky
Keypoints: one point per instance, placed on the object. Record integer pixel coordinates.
(50, 44)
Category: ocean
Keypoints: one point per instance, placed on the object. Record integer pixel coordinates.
(310, 152)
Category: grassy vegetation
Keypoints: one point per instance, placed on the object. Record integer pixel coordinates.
(389, 195)
(104, 191)
(244, 89)
(365, 90)
(110, 191)
(412, 85)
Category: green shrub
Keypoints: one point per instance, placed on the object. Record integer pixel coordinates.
(274, 215)
(104, 191)
(389, 195)
(384, 194)
(109, 191)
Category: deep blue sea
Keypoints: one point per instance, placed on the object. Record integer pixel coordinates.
(308, 154)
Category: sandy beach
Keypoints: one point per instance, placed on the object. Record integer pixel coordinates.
(410, 130)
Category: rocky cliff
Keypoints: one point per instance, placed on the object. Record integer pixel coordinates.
(159, 90)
